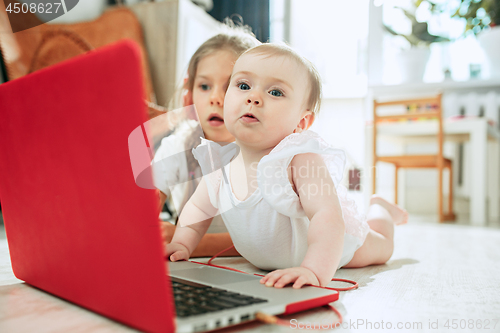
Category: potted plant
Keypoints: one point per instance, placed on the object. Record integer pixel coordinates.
(480, 18)
(480, 15)
(420, 35)
(483, 19)
(413, 60)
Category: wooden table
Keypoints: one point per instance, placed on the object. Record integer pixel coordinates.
(485, 158)
(476, 131)
(438, 273)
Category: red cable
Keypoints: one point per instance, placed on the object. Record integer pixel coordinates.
(269, 319)
(354, 283)
(229, 268)
(218, 254)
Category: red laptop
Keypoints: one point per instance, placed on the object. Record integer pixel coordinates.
(77, 224)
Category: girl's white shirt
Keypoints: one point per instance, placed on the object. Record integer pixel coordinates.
(171, 171)
(270, 227)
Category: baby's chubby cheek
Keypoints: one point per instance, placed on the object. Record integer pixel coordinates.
(229, 123)
(230, 118)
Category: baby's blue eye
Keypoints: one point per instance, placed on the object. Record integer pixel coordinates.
(244, 86)
(276, 93)
(204, 87)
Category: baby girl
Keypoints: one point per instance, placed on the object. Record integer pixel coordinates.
(280, 196)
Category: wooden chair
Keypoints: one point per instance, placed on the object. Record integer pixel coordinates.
(433, 109)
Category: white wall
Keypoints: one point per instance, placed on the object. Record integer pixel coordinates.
(333, 35)
(341, 123)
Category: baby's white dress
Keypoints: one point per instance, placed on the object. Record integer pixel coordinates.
(269, 228)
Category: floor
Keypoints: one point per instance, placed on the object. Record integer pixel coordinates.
(2, 229)
(2, 232)
(440, 276)
(462, 220)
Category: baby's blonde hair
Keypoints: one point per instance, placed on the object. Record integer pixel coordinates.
(234, 37)
(313, 102)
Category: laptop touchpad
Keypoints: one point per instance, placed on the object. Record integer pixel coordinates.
(212, 275)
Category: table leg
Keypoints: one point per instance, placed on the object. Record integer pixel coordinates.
(367, 174)
(494, 180)
(479, 166)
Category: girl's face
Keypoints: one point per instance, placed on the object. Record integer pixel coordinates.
(265, 101)
(209, 89)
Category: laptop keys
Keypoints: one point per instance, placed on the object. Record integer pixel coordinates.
(193, 299)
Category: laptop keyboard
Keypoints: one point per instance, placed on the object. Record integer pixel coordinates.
(193, 299)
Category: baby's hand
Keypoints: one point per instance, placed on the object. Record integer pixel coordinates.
(176, 252)
(299, 276)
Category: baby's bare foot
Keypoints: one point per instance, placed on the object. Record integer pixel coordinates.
(398, 214)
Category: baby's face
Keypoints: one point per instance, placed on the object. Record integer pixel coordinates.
(265, 100)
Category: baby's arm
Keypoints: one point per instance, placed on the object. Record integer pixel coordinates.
(209, 245)
(325, 236)
(187, 236)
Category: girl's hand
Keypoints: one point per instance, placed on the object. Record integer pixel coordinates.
(299, 276)
(176, 252)
(167, 231)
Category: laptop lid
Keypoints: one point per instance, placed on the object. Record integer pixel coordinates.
(66, 188)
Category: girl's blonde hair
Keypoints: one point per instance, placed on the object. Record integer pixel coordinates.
(313, 102)
(234, 37)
